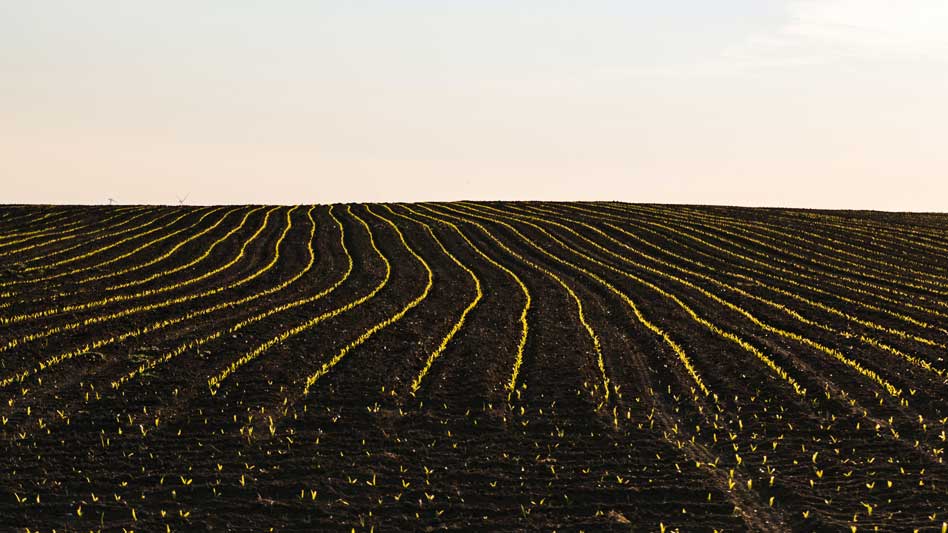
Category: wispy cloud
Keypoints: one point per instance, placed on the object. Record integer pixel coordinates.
(826, 31)
(906, 26)
(819, 33)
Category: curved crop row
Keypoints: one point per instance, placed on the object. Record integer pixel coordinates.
(790, 271)
(836, 354)
(63, 222)
(148, 328)
(594, 339)
(850, 274)
(857, 263)
(158, 259)
(215, 381)
(511, 384)
(89, 246)
(809, 322)
(71, 234)
(128, 311)
(832, 352)
(932, 235)
(880, 236)
(379, 326)
(27, 219)
(55, 228)
(104, 234)
(459, 323)
(748, 389)
(163, 234)
(237, 326)
(640, 317)
(71, 308)
(49, 298)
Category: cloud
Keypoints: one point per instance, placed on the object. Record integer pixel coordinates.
(818, 33)
(907, 26)
(827, 31)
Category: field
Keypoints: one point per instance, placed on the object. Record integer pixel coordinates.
(472, 366)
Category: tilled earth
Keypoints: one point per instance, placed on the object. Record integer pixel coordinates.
(472, 366)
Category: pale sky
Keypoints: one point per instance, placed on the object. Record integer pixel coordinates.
(803, 103)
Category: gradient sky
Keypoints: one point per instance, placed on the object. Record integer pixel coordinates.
(816, 103)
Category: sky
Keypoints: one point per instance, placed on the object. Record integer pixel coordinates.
(797, 103)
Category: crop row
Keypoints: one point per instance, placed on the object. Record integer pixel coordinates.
(798, 374)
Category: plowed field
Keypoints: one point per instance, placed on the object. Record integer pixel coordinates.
(472, 366)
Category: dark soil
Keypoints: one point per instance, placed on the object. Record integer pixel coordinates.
(851, 306)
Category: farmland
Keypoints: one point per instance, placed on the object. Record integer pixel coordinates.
(472, 366)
